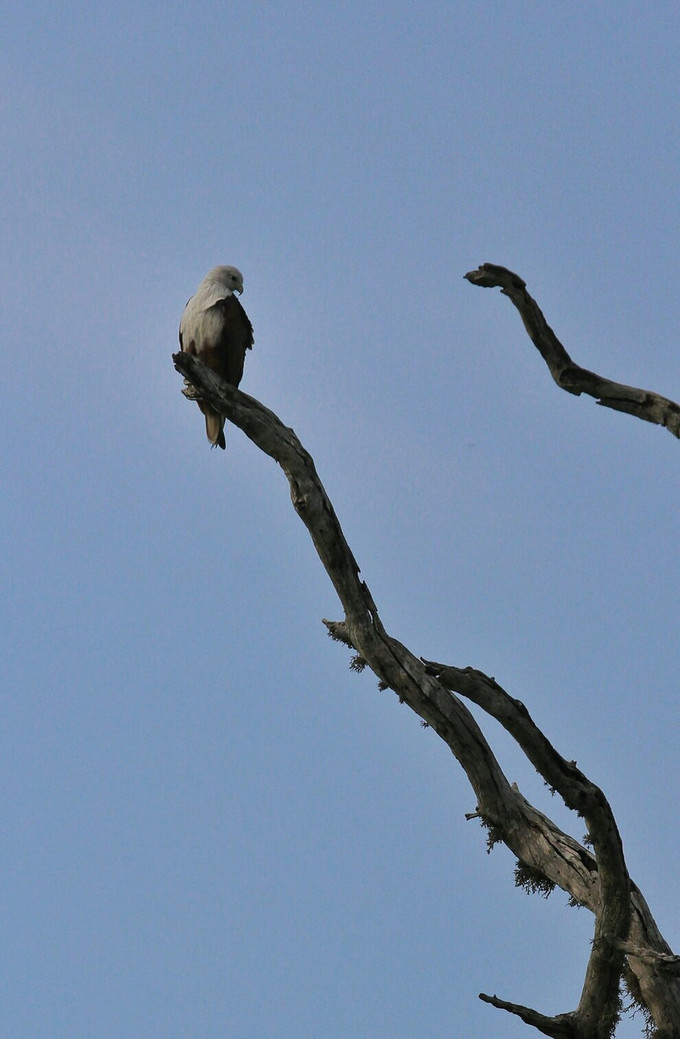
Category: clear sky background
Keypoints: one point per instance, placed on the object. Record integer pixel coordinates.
(211, 827)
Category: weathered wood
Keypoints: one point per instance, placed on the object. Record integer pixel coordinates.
(626, 936)
(569, 376)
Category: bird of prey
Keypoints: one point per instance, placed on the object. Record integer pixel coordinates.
(216, 328)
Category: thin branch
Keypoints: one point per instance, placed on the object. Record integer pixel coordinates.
(577, 791)
(569, 376)
(559, 1027)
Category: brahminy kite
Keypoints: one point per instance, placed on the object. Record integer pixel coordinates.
(215, 328)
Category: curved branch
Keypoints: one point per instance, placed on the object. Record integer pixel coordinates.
(599, 882)
(644, 404)
(599, 998)
(362, 628)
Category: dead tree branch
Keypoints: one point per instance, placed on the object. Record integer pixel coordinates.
(611, 904)
(624, 927)
(644, 404)
(559, 1027)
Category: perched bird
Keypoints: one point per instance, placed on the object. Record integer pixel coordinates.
(216, 328)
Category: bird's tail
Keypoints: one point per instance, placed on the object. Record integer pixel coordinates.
(214, 428)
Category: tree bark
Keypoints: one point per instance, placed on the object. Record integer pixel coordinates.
(644, 404)
(626, 939)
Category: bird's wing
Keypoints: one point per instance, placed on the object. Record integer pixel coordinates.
(236, 321)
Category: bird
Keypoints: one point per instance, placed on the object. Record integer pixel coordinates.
(216, 329)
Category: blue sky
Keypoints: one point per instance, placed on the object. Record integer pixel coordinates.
(212, 828)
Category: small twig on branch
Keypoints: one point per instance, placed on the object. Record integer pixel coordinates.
(568, 375)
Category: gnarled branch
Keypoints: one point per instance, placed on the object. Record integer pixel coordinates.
(611, 904)
(599, 880)
(568, 375)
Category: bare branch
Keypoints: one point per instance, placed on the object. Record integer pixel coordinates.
(362, 627)
(661, 961)
(599, 998)
(560, 1027)
(598, 881)
(644, 404)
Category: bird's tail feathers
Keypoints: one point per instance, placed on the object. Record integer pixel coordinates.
(214, 428)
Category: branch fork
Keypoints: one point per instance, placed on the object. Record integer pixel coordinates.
(626, 939)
